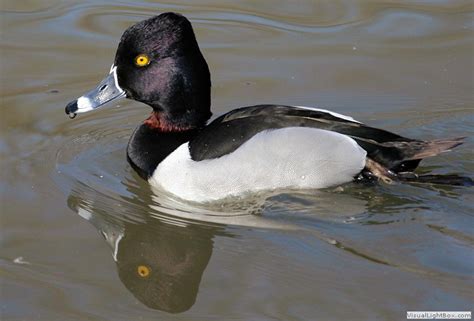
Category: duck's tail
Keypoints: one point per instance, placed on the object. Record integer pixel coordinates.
(405, 155)
(374, 170)
(423, 149)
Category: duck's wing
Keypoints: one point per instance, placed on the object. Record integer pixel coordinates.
(228, 132)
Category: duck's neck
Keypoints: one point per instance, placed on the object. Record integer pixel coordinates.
(152, 142)
(163, 122)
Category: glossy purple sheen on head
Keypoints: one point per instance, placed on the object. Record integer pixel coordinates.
(176, 82)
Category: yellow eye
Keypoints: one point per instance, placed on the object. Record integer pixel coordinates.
(143, 271)
(142, 60)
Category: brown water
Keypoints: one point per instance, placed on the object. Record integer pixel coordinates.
(354, 253)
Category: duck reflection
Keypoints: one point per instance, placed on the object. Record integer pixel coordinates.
(161, 264)
(161, 257)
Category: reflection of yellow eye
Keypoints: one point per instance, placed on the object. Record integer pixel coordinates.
(143, 271)
(142, 60)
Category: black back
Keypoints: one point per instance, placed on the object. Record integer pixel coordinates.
(226, 133)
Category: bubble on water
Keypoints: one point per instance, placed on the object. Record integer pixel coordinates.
(20, 260)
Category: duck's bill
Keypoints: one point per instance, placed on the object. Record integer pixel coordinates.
(107, 91)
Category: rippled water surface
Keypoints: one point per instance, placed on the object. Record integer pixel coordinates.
(84, 238)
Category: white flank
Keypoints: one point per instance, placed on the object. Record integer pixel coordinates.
(293, 157)
(330, 112)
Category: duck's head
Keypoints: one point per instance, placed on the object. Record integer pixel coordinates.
(158, 62)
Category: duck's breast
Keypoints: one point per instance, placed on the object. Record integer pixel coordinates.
(292, 157)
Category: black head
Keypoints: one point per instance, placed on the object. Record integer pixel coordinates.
(158, 62)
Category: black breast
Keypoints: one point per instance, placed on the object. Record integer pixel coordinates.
(148, 147)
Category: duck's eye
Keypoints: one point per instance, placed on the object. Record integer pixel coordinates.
(142, 60)
(143, 271)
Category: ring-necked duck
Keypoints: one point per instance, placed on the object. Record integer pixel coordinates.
(264, 147)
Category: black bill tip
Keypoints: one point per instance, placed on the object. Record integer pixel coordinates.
(71, 109)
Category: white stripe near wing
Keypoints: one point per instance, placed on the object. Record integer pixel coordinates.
(330, 112)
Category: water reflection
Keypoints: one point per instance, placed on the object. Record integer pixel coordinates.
(161, 264)
(161, 248)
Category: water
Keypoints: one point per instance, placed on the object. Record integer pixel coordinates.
(79, 227)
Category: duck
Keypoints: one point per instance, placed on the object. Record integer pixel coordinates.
(177, 149)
